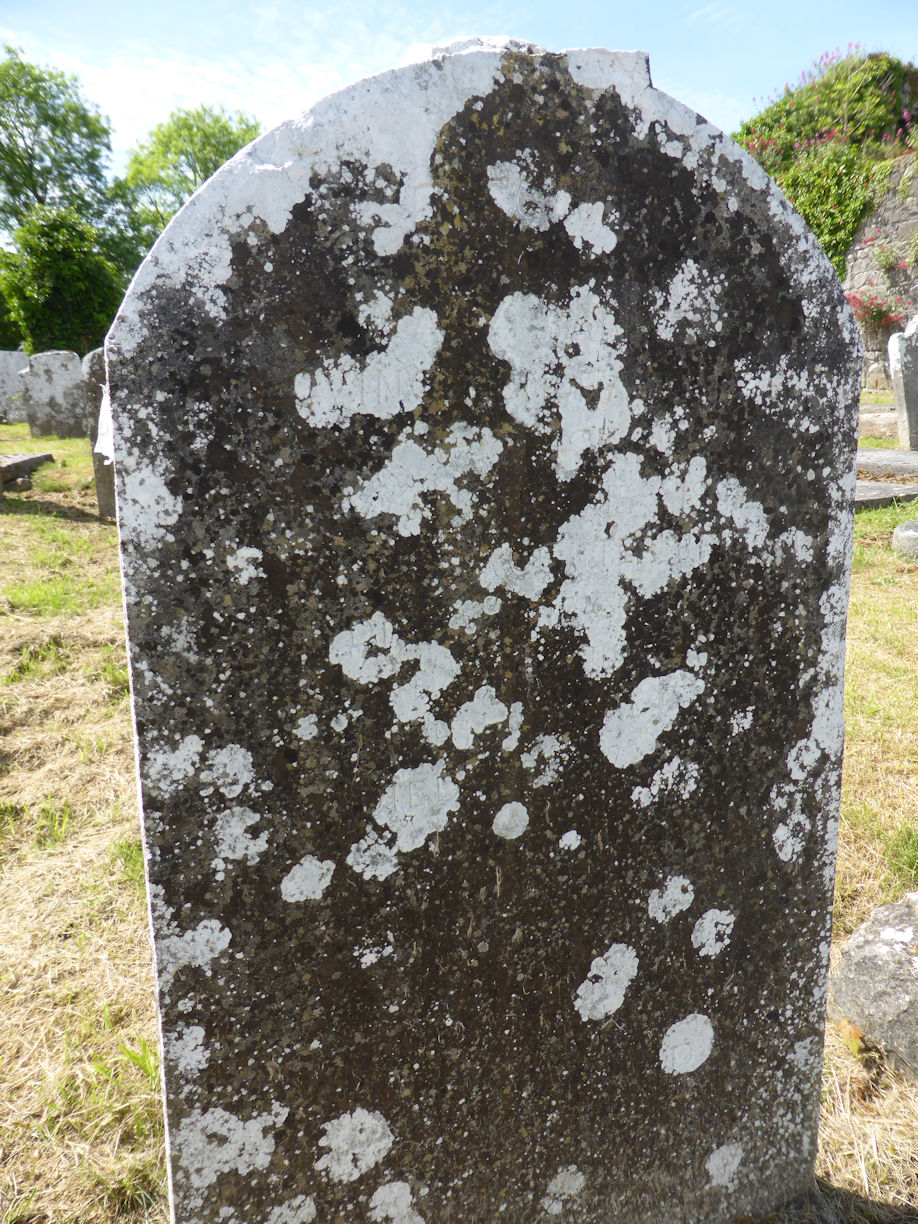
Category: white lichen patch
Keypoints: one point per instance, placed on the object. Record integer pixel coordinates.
(630, 732)
(551, 752)
(676, 776)
(411, 473)
(571, 840)
(243, 563)
(586, 227)
(692, 301)
(529, 581)
(148, 509)
(208, 1144)
(566, 1184)
(196, 948)
(228, 769)
(603, 992)
(723, 1165)
(307, 728)
(472, 718)
(232, 840)
(372, 651)
(390, 381)
(185, 1049)
(308, 879)
(393, 1203)
(676, 895)
(558, 356)
(711, 932)
(298, 1210)
(511, 821)
(687, 1044)
(356, 1142)
(468, 612)
(414, 806)
(613, 548)
(512, 187)
(746, 515)
(167, 768)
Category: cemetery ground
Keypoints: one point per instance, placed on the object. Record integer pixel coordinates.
(80, 1121)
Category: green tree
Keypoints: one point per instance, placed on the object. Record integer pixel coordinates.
(61, 291)
(54, 146)
(180, 155)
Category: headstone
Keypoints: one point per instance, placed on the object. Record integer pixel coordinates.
(485, 458)
(53, 398)
(95, 383)
(11, 362)
(903, 373)
(875, 983)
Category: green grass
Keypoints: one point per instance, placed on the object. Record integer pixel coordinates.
(878, 443)
(127, 860)
(39, 662)
(60, 594)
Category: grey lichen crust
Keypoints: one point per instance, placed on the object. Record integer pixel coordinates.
(484, 444)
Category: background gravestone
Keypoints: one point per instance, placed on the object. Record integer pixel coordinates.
(11, 362)
(903, 372)
(95, 381)
(53, 398)
(484, 452)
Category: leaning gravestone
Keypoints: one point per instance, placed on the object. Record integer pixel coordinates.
(95, 382)
(484, 449)
(903, 372)
(53, 399)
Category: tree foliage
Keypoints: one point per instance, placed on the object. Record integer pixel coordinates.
(827, 141)
(54, 146)
(181, 154)
(61, 291)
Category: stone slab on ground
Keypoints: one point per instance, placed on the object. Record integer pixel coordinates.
(874, 494)
(883, 461)
(14, 467)
(878, 424)
(484, 448)
(875, 981)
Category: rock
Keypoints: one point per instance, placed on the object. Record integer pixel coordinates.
(53, 398)
(903, 368)
(877, 377)
(905, 539)
(875, 983)
(490, 498)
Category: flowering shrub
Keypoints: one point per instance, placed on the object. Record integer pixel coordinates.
(880, 311)
(829, 140)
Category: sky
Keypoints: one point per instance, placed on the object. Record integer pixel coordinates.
(275, 58)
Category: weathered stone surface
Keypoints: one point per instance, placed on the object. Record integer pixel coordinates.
(485, 461)
(53, 399)
(881, 462)
(95, 383)
(905, 539)
(903, 373)
(875, 982)
(874, 494)
(10, 365)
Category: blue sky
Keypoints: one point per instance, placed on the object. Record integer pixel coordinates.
(275, 58)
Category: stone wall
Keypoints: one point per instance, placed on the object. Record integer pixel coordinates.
(894, 223)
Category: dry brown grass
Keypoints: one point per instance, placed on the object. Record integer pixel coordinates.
(79, 1112)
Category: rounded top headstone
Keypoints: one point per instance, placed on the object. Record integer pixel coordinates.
(484, 441)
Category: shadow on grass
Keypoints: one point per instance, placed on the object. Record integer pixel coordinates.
(827, 1204)
(49, 509)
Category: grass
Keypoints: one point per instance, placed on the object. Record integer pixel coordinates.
(80, 1116)
(867, 443)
